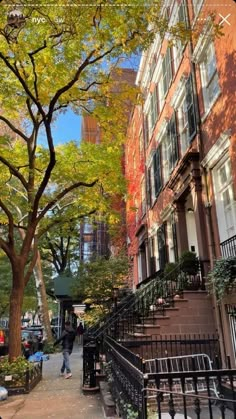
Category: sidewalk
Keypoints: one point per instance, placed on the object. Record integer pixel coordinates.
(54, 396)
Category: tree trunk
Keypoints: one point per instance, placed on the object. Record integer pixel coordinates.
(16, 301)
(42, 299)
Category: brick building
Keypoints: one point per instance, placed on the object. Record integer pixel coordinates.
(97, 240)
(181, 152)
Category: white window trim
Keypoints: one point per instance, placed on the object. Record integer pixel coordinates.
(204, 117)
(147, 104)
(202, 45)
(217, 151)
(196, 13)
(179, 92)
(161, 131)
(220, 207)
(178, 52)
(205, 38)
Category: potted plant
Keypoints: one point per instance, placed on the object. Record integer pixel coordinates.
(171, 271)
(189, 263)
(222, 278)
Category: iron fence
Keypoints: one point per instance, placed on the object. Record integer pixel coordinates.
(201, 394)
(174, 345)
(192, 394)
(228, 247)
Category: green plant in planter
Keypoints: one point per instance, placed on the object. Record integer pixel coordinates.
(222, 278)
(130, 413)
(171, 271)
(18, 366)
(17, 369)
(189, 263)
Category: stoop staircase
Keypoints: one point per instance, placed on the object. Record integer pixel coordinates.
(191, 313)
(161, 308)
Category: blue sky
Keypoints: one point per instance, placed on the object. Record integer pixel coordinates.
(67, 127)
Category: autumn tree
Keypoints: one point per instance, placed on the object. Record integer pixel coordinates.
(45, 68)
(94, 283)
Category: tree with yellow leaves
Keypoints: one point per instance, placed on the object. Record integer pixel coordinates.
(53, 57)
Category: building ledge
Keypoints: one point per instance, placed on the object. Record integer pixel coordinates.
(192, 155)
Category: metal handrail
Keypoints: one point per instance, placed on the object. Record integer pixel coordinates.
(159, 287)
(179, 393)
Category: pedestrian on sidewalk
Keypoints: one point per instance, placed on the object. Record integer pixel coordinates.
(80, 332)
(67, 338)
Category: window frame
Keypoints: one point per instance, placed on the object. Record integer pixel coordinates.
(168, 163)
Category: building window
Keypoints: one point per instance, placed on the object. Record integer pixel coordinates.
(149, 187)
(162, 247)
(160, 93)
(197, 4)
(187, 116)
(153, 108)
(152, 256)
(152, 66)
(145, 130)
(167, 71)
(172, 239)
(180, 16)
(225, 203)
(209, 77)
(169, 149)
(157, 172)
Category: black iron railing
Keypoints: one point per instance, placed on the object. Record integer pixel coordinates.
(153, 298)
(228, 247)
(126, 380)
(203, 393)
(175, 345)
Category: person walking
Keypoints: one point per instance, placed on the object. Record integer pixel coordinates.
(80, 332)
(67, 338)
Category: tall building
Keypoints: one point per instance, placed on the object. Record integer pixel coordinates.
(95, 239)
(181, 152)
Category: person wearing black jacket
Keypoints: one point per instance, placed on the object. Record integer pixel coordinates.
(67, 338)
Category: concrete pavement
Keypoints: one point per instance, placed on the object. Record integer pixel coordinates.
(54, 396)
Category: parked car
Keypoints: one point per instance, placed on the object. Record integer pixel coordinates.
(3, 342)
(30, 343)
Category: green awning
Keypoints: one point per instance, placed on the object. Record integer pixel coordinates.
(63, 285)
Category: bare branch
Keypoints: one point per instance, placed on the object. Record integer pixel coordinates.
(85, 89)
(31, 55)
(62, 194)
(56, 222)
(10, 222)
(5, 247)
(68, 85)
(13, 170)
(13, 128)
(15, 71)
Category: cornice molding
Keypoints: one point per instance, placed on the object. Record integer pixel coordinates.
(217, 151)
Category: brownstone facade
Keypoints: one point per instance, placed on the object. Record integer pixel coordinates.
(181, 153)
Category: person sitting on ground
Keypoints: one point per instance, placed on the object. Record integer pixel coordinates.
(67, 338)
